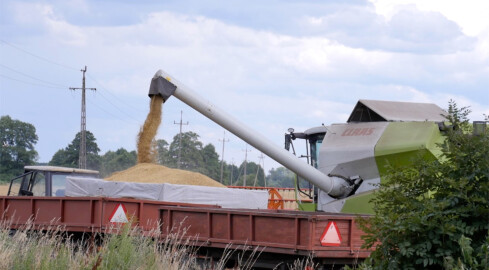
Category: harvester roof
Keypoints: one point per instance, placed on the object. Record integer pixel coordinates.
(394, 111)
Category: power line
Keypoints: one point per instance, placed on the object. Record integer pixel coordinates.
(59, 86)
(109, 113)
(37, 56)
(113, 95)
(32, 77)
(62, 86)
(56, 87)
(115, 106)
(31, 83)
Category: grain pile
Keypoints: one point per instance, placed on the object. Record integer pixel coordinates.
(4, 190)
(153, 173)
(149, 129)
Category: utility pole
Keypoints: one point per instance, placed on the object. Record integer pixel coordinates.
(261, 157)
(232, 171)
(256, 175)
(222, 156)
(180, 138)
(82, 160)
(246, 161)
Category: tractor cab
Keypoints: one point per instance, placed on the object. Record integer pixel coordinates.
(45, 180)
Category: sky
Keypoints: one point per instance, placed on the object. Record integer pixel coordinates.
(273, 65)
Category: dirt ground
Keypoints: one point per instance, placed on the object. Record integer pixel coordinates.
(3, 190)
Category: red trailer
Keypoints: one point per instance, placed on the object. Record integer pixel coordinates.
(330, 239)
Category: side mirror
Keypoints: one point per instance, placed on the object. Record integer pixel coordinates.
(288, 140)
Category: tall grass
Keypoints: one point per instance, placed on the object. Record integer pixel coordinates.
(124, 248)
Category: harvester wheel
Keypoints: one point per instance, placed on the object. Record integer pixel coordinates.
(275, 200)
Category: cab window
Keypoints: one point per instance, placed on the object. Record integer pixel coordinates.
(58, 185)
(38, 184)
(315, 142)
(18, 183)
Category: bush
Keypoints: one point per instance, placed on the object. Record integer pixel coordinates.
(435, 215)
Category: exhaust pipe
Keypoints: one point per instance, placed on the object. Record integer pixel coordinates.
(166, 86)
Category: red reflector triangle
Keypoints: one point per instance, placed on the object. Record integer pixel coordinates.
(331, 235)
(119, 215)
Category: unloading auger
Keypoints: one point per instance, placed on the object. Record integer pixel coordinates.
(166, 86)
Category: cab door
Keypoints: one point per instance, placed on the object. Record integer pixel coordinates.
(29, 184)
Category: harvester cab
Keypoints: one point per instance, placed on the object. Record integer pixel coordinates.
(377, 134)
(45, 180)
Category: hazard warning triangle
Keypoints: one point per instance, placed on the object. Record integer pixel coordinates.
(331, 235)
(119, 215)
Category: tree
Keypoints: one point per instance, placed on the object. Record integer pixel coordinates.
(194, 156)
(17, 140)
(119, 160)
(69, 156)
(435, 214)
(281, 177)
(163, 154)
(191, 157)
(211, 162)
(231, 174)
(204, 159)
(251, 173)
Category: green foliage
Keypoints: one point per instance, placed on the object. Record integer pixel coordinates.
(69, 156)
(194, 157)
(281, 177)
(125, 250)
(436, 214)
(231, 174)
(117, 161)
(212, 166)
(254, 173)
(190, 150)
(163, 156)
(17, 140)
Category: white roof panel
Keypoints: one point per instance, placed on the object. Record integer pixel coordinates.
(379, 110)
(59, 169)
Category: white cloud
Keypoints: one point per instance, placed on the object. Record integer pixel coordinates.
(44, 18)
(471, 15)
(270, 81)
(405, 30)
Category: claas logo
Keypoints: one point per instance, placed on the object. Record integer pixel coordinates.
(358, 131)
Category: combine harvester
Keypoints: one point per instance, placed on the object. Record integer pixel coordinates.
(346, 163)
